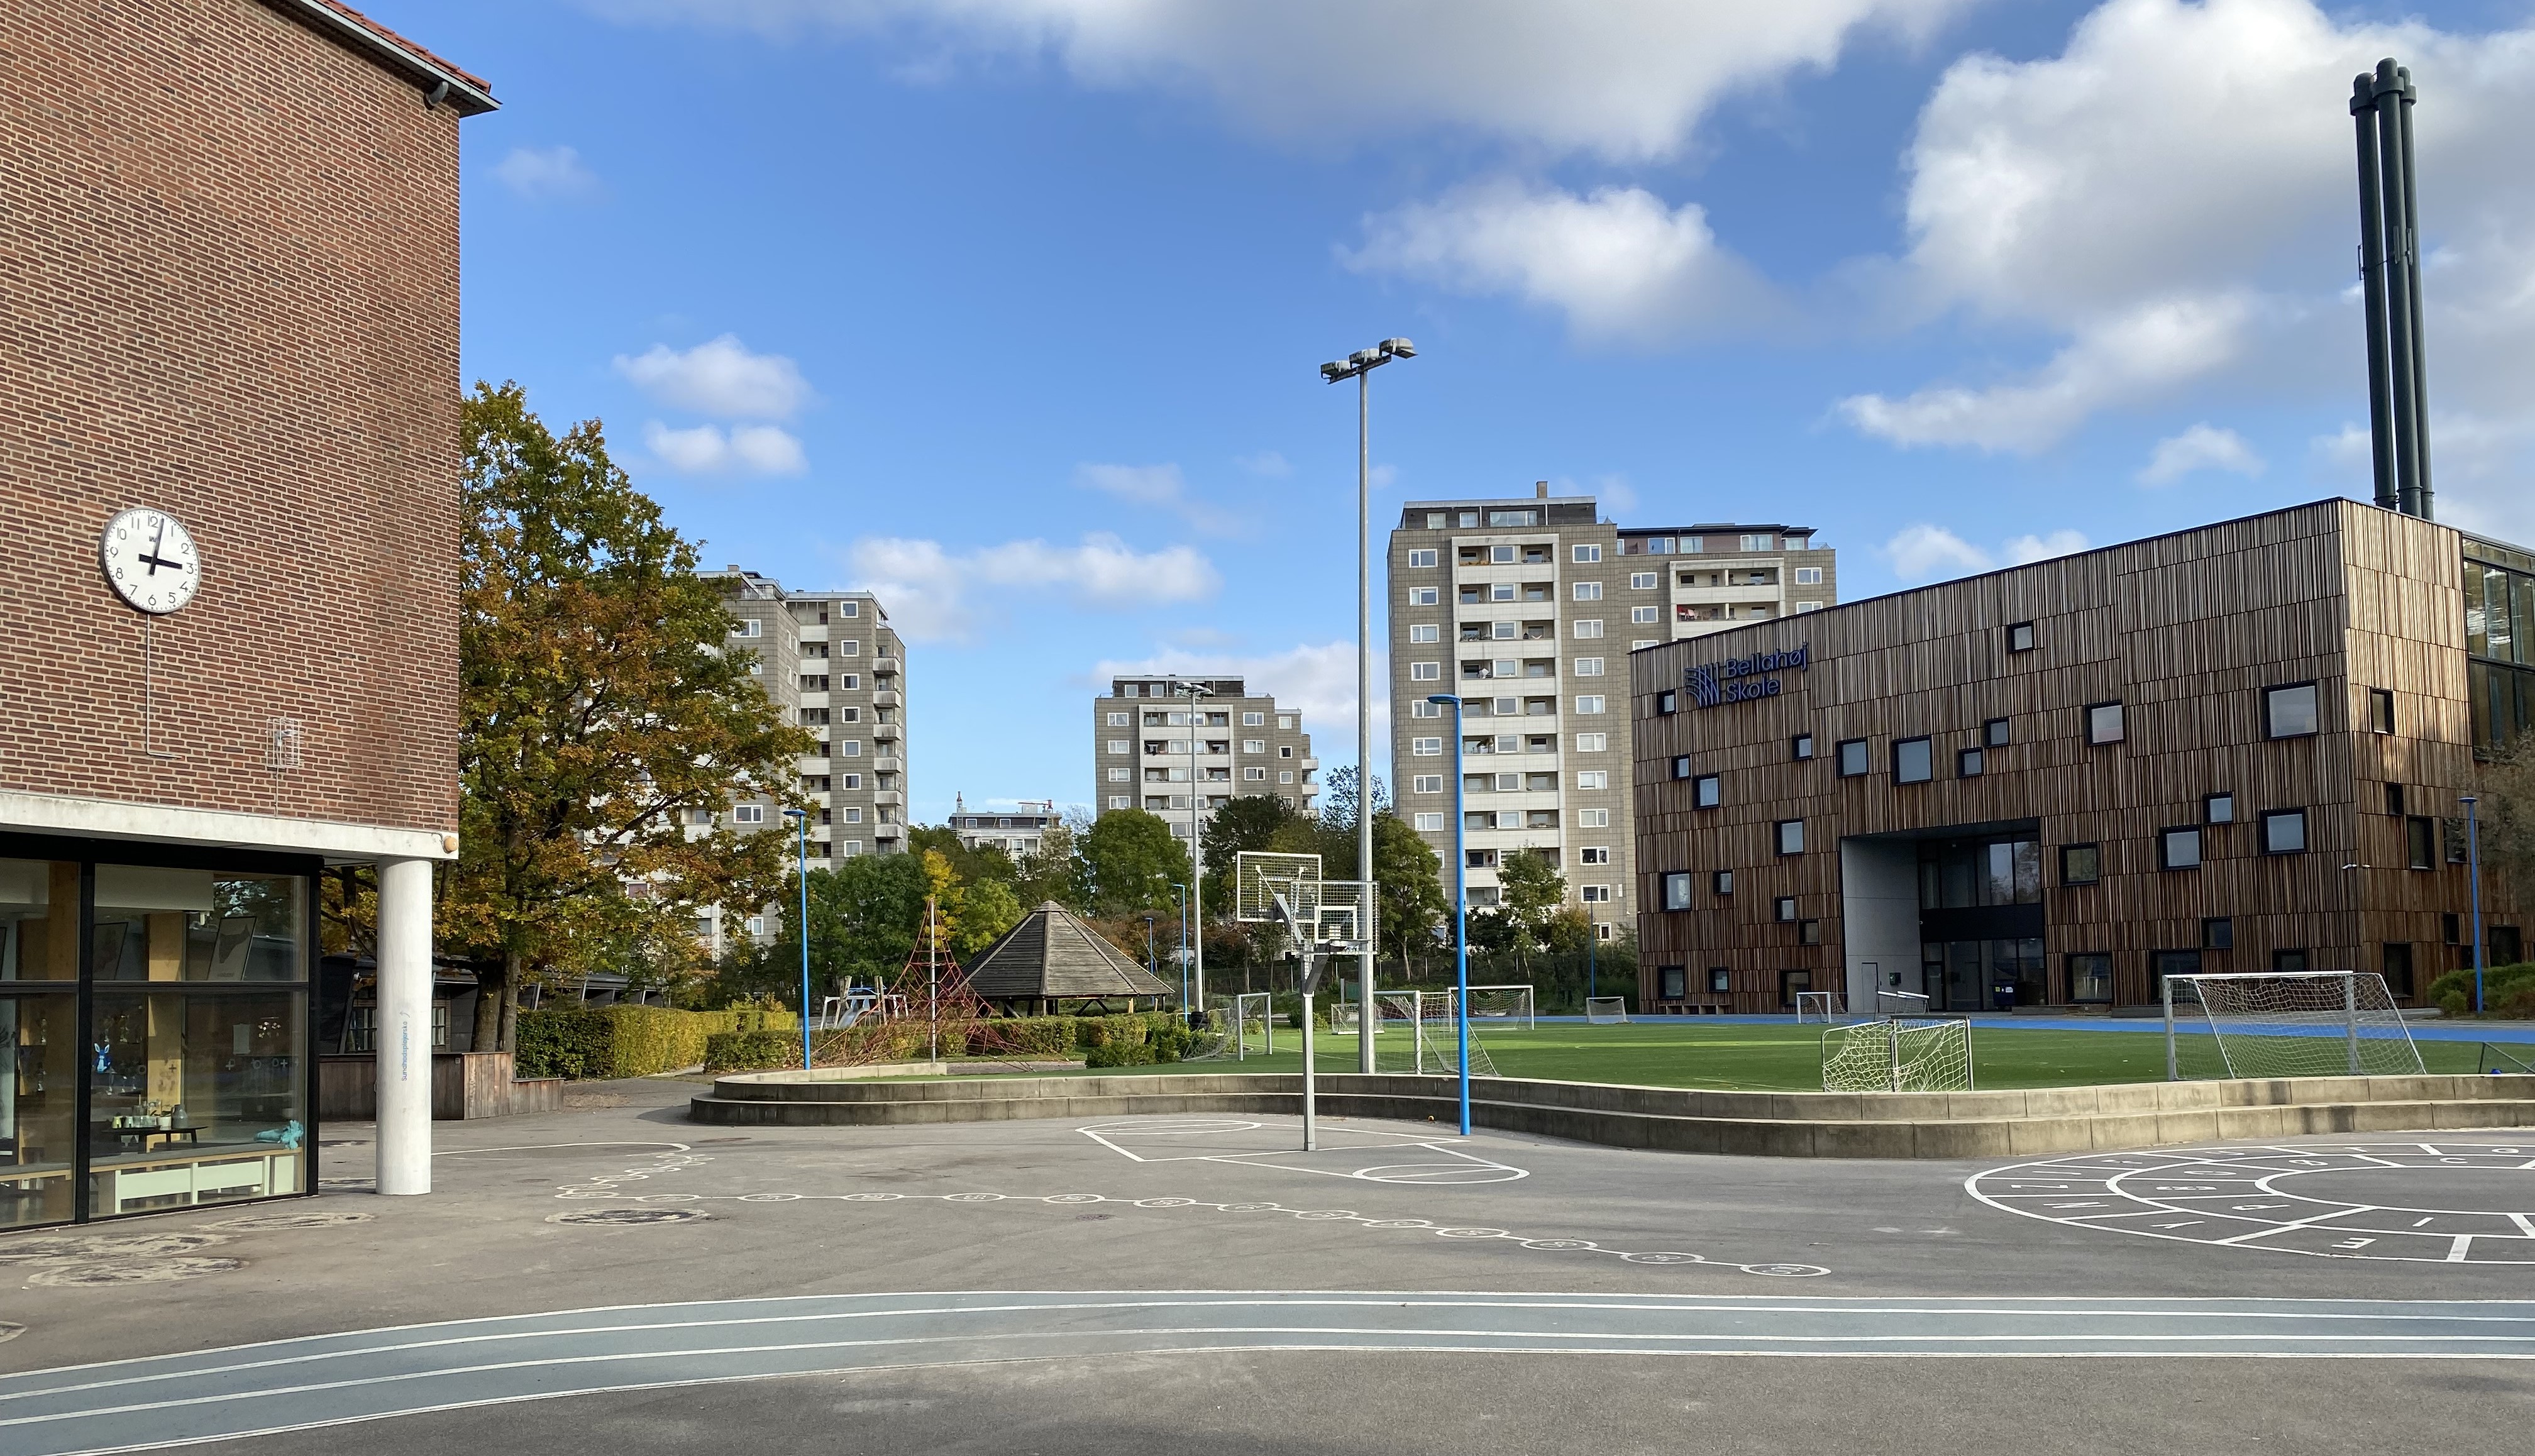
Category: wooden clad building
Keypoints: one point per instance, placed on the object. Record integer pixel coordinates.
(2238, 747)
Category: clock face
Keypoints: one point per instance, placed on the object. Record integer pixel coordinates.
(149, 559)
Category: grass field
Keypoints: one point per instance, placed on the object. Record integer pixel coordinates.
(1777, 1059)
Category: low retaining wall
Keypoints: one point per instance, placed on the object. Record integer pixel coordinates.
(463, 1085)
(1816, 1124)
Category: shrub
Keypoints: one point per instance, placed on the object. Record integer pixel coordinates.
(594, 1041)
(1119, 1054)
(2452, 993)
(750, 1051)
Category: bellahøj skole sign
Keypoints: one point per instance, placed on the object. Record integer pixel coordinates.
(1744, 679)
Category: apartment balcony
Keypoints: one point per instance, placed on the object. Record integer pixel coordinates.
(888, 799)
(1308, 764)
(885, 698)
(885, 667)
(885, 732)
(811, 767)
(889, 764)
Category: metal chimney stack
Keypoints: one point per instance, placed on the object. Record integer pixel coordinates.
(2389, 269)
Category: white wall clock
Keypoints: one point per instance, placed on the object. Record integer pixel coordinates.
(149, 559)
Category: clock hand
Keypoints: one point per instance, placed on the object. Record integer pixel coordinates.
(151, 558)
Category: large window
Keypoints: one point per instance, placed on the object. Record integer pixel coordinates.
(2289, 710)
(2104, 723)
(2179, 849)
(2090, 976)
(1791, 836)
(1676, 890)
(2082, 863)
(1851, 756)
(2284, 832)
(1914, 760)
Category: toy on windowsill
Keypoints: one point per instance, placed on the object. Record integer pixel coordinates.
(287, 1135)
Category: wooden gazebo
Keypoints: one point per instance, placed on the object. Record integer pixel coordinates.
(1052, 957)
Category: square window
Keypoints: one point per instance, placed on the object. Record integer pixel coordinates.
(2104, 723)
(1970, 763)
(1851, 756)
(1803, 747)
(1791, 836)
(1645, 614)
(1592, 743)
(1668, 700)
(2289, 711)
(2080, 864)
(1643, 581)
(1914, 760)
(1508, 783)
(2288, 960)
(1501, 632)
(1593, 819)
(1809, 576)
(1593, 854)
(1589, 667)
(2090, 976)
(2218, 808)
(1590, 703)
(1723, 881)
(1502, 556)
(1808, 932)
(1668, 983)
(1425, 632)
(853, 816)
(1587, 555)
(1994, 733)
(1707, 791)
(1424, 596)
(2218, 933)
(1590, 626)
(1719, 979)
(2179, 849)
(1424, 672)
(1422, 558)
(1593, 778)
(2284, 832)
(1429, 823)
(853, 780)
(1501, 592)
(2380, 713)
(1784, 909)
(2019, 638)
(1588, 591)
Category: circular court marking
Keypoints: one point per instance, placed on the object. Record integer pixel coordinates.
(624, 1216)
(267, 1223)
(2434, 1202)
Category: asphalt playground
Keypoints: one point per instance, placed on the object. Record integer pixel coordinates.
(613, 1277)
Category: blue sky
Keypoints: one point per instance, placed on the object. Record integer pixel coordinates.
(1009, 309)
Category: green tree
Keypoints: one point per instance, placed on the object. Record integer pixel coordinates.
(1338, 800)
(1530, 891)
(1129, 861)
(599, 712)
(1252, 822)
(1053, 872)
(1411, 878)
(971, 866)
(987, 909)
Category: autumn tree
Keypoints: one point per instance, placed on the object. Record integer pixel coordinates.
(1129, 861)
(602, 713)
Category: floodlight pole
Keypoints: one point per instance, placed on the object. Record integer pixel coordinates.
(1461, 910)
(2473, 882)
(1359, 365)
(801, 818)
(1196, 834)
(1181, 895)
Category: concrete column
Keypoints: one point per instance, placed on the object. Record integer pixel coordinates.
(404, 1026)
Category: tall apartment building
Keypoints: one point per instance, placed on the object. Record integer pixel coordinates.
(1184, 746)
(837, 668)
(1528, 610)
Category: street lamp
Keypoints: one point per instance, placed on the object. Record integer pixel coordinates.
(2473, 880)
(802, 874)
(1460, 911)
(1359, 365)
(1196, 835)
(1151, 966)
(1181, 895)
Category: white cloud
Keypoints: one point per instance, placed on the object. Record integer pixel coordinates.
(1619, 263)
(719, 378)
(1922, 552)
(1622, 78)
(2023, 550)
(547, 175)
(1315, 680)
(2201, 448)
(938, 595)
(1269, 462)
(1160, 486)
(753, 450)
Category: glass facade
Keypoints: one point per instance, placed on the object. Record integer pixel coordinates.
(158, 1020)
(2498, 642)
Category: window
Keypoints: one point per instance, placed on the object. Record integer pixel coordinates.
(1284, 751)
(1783, 908)
(748, 814)
(756, 925)
(1285, 776)
(1118, 745)
(1676, 890)
(1994, 733)
(1425, 596)
(850, 609)
(1719, 979)
(1597, 894)
(1723, 881)
(853, 816)
(2288, 960)
(2090, 976)
(1588, 591)
(1668, 983)
(1590, 626)
(1594, 818)
(1589, 704)
(1426, 747)
(1593, 778)
(1501, 592)
(2284, 832)
(1592, 743)
(2398, 968)
(1643, 581)
(1808, 932)
(2080, 864)
(849, 647)
(1429, 823)
(2217, 932)
(2289, 711)
(1645, 614)
(2421, 838)
(1424, 672)
(1681, 765)
(1425, 632)
(849, 681)
(1253, 745)
(1424, 557)
(1589, 667)
(2019, 638)
(851, 748)
(749, 630)
(1802, 749)
(1502, 556)
(1852, 758)
(2394, 798)
(1791, 836)
(1255, 774)
(1759, 543)
(1668, 700)
(2218, 808)
(2380, 719)
(1421, 708)
(1970, 763)
(2179, 849)
(1593, 854)
(1809, 576)
(852, 780)
(1587, 555)
(2104, 723)
(1118, 776)
(1118, 720)
(2452, 928)
(1914, 760)
(1705, 791)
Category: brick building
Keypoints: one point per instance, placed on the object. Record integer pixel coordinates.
(228, 508)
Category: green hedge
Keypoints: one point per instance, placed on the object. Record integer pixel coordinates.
(751, 1051)
(2506, 991)
(1134, 1040)
(593, 1043)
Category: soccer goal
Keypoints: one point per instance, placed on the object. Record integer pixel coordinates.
(1250, 1024)
(1421, 1035)
(1510, 1005)
(1606, 1010)
(2288, 1024)
(1898, 1054)
(1820, 1005)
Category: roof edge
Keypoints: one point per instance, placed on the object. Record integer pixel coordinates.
(467, 95)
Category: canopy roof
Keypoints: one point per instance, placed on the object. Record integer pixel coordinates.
(1052, 955)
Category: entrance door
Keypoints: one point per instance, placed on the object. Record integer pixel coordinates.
(1791, 982)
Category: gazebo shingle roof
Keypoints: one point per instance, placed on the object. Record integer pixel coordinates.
(1051, 955)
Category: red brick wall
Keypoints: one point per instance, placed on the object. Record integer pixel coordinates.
(228, 289)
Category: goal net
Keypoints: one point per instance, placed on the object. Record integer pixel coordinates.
(1898, 1054)
(2287, 1024)
(1243, 1025)
(1606, 1010)
(1510, 1005)
(1419, 1033)
(1820, 1005)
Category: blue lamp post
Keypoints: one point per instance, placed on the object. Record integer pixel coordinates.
(801, 821)
(1460, 911)
(2473, 880)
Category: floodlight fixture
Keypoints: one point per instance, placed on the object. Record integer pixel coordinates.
(1398, 348)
